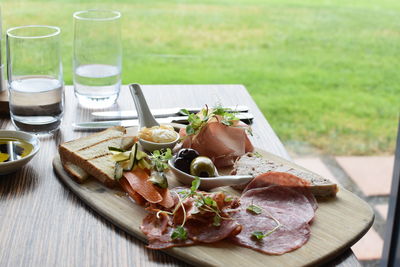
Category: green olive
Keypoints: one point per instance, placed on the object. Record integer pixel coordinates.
(202, 167)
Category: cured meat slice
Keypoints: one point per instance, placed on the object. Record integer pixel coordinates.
(132, 193)
(138, 186)
(206, 232)
(223, 144)
(158, 231)
(196, 217)
(281, 207)
(138, 179)
(167, 200)
(286, 180)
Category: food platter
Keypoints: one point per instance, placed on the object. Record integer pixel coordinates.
(339, 223)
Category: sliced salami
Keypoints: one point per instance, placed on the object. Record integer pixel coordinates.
(286, 180)
(206, 232)
(201, 223)
(283, 219)
(158, 232)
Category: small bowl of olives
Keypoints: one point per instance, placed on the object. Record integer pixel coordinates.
(188, 164)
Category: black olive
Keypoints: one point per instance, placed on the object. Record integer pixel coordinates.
(182, 164)
(188, 154)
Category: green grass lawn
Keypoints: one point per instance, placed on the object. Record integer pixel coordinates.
(323, 72)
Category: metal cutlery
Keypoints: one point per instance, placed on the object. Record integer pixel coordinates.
(245, 117)
(158, 113)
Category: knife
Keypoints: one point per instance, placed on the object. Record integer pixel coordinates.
(245, 117)
(157, 113)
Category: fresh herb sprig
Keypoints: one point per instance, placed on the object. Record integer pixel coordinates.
(196, 122)
(254, 209)
(159, 163)
(179, 233)
(259, 235)
(201, 201)
(159, 159)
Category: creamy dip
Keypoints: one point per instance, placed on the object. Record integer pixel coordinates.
(158, 134)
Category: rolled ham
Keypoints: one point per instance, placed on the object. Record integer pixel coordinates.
(221, 143)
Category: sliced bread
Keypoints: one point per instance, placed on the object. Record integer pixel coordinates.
(92, 139)
(89, 156)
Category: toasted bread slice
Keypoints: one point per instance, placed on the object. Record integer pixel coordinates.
(90, 155)
(255, 165)
(76, 172)
(92, 139)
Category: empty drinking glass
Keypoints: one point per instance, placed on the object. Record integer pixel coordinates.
(35, 79)
(97, 57)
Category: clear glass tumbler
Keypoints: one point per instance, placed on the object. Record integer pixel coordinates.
(35, 78)
(97, 57)
(2, 83)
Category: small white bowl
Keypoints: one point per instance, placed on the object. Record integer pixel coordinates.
(12, 166)
(209, 182)
(151, 146)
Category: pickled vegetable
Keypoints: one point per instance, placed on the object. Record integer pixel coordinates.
(159, 179)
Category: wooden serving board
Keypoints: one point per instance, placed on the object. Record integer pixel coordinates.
(339, 223)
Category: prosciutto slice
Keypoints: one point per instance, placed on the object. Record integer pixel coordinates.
(222, 144)
(280, 206)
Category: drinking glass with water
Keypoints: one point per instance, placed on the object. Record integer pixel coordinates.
(97, 57)
(35, 79)
(2, 83)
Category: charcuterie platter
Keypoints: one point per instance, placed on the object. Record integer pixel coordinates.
(338, 223)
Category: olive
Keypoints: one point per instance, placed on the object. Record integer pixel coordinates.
(188, 154)
(202, 167)
(182, 164)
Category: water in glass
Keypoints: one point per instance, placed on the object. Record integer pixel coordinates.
(36, 103)
(97, 83)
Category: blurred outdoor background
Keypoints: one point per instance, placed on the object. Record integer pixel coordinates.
(325, 73)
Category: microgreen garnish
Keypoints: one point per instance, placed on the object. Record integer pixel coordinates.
(257, 154)
(179, 233)
(254, 209)
(196, 122)
(159, 159)
(217, 220)
(203, 203)
(227, 117)
(260, 235)
(210, 202)
(228, 199)
(195, 185)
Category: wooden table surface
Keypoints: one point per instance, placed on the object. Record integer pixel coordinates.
(43, 224)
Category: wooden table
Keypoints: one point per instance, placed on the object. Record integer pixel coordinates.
(43, 224)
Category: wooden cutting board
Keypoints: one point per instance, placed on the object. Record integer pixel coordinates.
(338, 224)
